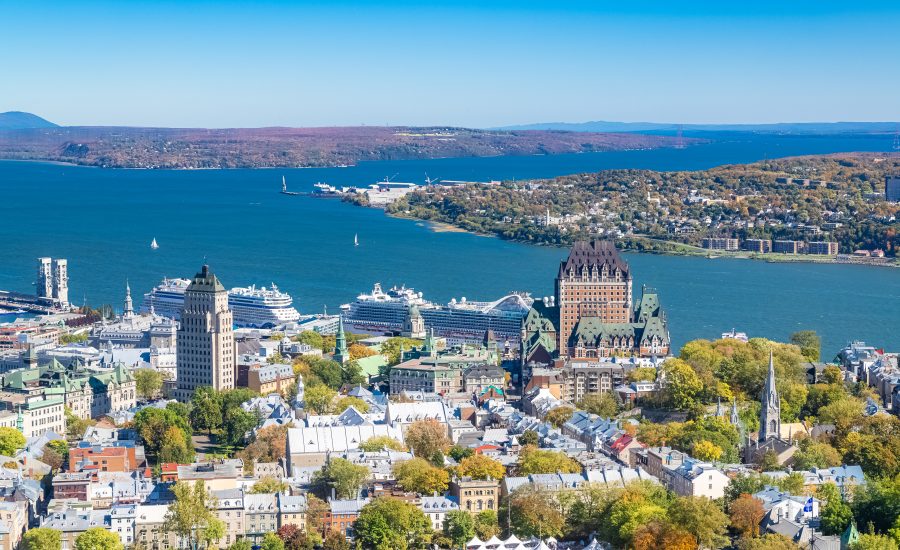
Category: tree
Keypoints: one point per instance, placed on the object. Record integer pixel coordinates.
(809, 343)
(381, 443)
(486, 524)
(345, 403)
(535, 513)
(238, 423)
(768, 462)
(358, 351)
(873, 542)
(214, 532)
(269, 445)
(318, 399)
(316, 509)
(832, 375)
(459, 526)
(481, 467)
(341, 475)
(271, 542)
(310, 338)
(175, 448)
(835, 515)
(746, 512)
(559, 416)
(392, 524)
(662, 534)
(206, 409)
(707, 451)
(529, 437)
(427, 438)
(813, 454)
(335, 541)
(153, 426)
(601, 404)
(148, 382)
(268, 484)
(190, 514)
(42, 538)
(767, 542)
(682, 385)
(52, 457)
(420, 476)
(792, 483)
(11, 440)
(458, 452)
(391, 348)
(98, 538)
(702, 518)
(76, 426)
(541, 461)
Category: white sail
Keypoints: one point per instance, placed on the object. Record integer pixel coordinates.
(153, 244)
(355, 240)
(283, 184)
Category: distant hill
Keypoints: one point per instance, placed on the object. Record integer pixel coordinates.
(779, 128)
(17, 120)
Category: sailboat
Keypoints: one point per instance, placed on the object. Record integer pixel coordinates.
(284, 190)
(355, 239)
(153, 244)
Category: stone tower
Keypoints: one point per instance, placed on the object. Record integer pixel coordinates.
(770, 417)
(128, 313)
(414, 324)
(205, 352)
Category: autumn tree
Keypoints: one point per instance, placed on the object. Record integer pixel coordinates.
(268, 484)
(559, 416)
(662, 534)
(683, 386)
(543, 461)
(479, 466)
(190, 514)
(427, 438)
(345, 403)
(381, 443)
(318, 398)
(421, 476)
(98, 538)
(707, 451)
(534, 512)
(745, 513)
(702, 518)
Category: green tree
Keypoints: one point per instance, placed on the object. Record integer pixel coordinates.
(791, 483)
(206, 409)
(214, 532)
(153, 426)
(835, 515)
(11, 440)
(535, 513)
(148, 382)
(420, 476)
(238, 423)
(268, 484)
(345, 403)
(310, 338)
(529, 437)
(458, 452)
(76, 426)
(683, 386)
(381, 443)
(391, 348)
(241, 544)
(271, 542)
(543, 461)
(42, 538)
(341, 475)
(391, 524)
(486, 524)
(809, 343)
(318, 399)
(601, 404)
(175, 447)
(559, 416)
(702, 518)
(813, 454)
(460, 527)
(190, 514)
(98, 538)
(873, 542)
(742, 484)
(642, 374)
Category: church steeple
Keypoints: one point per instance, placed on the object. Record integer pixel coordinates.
(735, 419)
(770, 418)
(340, 343)
(129, 306)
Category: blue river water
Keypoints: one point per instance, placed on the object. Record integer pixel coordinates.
(103, 222)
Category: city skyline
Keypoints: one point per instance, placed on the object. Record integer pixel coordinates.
(198, 64)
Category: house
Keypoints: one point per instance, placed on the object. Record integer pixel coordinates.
(341, 515)
(436, 508)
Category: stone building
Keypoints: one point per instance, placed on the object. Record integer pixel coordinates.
(206, 350)
(476, 495)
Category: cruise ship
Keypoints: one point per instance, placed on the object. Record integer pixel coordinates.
(250, 306)
(459, 322)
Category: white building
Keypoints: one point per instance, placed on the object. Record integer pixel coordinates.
(436, 508)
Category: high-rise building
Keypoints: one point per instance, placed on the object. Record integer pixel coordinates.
(53, 281)
(892, 188)
(205, 351)
(594, 281)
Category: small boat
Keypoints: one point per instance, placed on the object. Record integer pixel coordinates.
(153, 244)
(355, 239)
(284, 190)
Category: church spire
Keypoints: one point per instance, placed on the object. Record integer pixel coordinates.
(770, 418)
(129, 305)
(735, 419)
(340, 343)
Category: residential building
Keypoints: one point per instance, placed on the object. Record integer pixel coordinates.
(149, 527)
(292, 511)
(260, 515)
(206, 351)
(761, 246)
(216, 474)
(272, 378)
(436, 508)
(427, 375)
(786, 247)
(586, 377)
(230, 511)
(823, 248)
(476, 495)
(121, 522)
(13, 523)
(342, 514)
(720, 243)
(124, 456)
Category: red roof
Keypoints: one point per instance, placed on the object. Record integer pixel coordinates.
(622, 442)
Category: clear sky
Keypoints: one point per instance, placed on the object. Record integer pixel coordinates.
(478, 63)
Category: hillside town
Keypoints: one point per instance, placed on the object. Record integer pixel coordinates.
(188, 427)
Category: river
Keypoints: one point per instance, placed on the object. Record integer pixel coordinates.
(103, 222)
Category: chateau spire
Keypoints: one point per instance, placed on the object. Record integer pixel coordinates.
(770, 418)
(129, 306)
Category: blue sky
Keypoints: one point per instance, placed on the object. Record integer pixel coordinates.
(221, 64)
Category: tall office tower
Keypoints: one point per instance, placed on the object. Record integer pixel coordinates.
(205, 350)
(61, 282)
(44, 282)
(594, 281)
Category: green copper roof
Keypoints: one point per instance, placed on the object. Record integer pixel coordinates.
(205, 281)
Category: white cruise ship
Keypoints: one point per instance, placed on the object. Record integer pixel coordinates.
(459, 321)
(250, 306)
